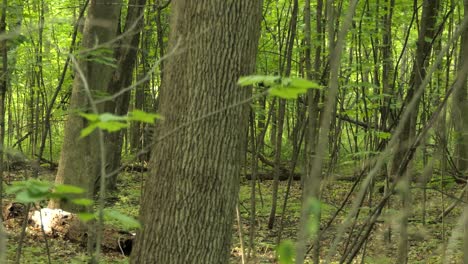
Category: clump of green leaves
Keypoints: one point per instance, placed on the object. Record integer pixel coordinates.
(286, 252)
(286, 88)
(33, 190)
(113, 123)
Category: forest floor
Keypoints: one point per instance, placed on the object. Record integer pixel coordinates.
(426, 241)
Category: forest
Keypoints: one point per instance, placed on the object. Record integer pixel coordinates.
(242, 131)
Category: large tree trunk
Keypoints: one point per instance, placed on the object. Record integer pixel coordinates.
(79, 159)
(189, 200)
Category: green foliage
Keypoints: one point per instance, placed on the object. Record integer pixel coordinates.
(286, 252)
(314, 209)
(113, 123)
(30, 190)
(286, 88)
(114, 217)
(437, 181)
(141, 116)
(123, 220)
(33, 190)
(86, 217)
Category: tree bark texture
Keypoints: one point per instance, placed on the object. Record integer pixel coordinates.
(189, 200)
(79, 159)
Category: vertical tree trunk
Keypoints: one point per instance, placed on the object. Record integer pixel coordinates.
(460, 110)
(122, 78)
(312, 96)
(314, 173)
(460, 117)
(427, 31)
(79, 159)
(4, 76)
(387, 66)
(281, 113)
(423, 50)
(189, 200)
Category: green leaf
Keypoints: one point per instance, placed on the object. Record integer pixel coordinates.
(32, 186)
(82, 201)
(106, 117)
(85, 217)
(16, 187)
(36, 186)
(287, 92)
(65, 188)
(111, 126)
(26, 197)
(141, 116)
(286, 252)
(253, 79)
(286, 88)
(88, 130)
(383, 135)
(89, 117)
(125, 220)
(303, 84)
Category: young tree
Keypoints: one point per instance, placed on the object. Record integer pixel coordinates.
(122, 79)
(3, 90)
(189, 199)
(79, 159)
(459, 110)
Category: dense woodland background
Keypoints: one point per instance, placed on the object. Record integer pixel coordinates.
(348, 143)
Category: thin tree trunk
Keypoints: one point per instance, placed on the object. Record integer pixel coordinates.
(427, 31)
(313, 177)
(460, 109)
(3, 93)
(281, 114)
(312, 96)
(122, 79)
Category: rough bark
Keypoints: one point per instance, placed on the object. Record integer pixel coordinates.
(79, 158)
(189, 200)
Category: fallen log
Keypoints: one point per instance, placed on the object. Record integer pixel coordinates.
(57, 223)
